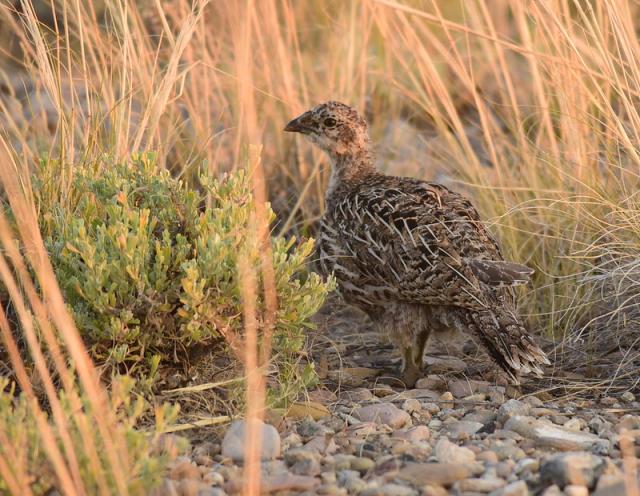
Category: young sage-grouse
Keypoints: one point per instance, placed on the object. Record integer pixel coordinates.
(412, 254)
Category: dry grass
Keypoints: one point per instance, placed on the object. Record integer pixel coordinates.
(529, 106)
(45, 320)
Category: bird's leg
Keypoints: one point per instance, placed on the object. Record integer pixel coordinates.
(413, 356)
(411, 367)
(421, 343)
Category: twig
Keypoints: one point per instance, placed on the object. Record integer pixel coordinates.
(223, 419)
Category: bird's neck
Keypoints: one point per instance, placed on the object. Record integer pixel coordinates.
(350, 168)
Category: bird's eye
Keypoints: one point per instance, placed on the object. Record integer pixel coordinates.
(329, 122)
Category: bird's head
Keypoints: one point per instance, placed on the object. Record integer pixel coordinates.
(335, 128)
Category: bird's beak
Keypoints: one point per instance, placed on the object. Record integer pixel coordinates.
(301, 124)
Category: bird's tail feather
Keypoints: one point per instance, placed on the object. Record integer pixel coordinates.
(508, 342)
(499, 273)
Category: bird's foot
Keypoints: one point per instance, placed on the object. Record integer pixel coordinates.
(394, 377)
(410, 375)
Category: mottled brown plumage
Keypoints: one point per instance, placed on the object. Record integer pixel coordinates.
(412, 254)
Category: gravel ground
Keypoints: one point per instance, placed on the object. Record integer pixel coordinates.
(467, 440)
(461, 431)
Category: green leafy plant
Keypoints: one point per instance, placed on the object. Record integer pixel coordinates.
(148, 265)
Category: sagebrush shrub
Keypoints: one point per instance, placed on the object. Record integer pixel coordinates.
(149, 265)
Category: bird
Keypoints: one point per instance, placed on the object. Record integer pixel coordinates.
(413, 255)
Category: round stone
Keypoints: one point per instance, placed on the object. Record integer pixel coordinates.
(234, 443)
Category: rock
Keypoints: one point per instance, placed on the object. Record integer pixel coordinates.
(382, 390)
(628, 422)
(413, 434)
(432, 408)
(362, 464)
(505, 468)
(527, 465)
(188, 487)
(574, 424)
(291, 441)
(611, 485)
(505, 434)
(552, 491)
(328, 477)
(437, 474)
(518, 488)
(533, 401)
(496, 397)
(484, 416)
(310, 428)
(358, 395)
(599, 425)
(460, 388)
(396, 490)
(607, 480)
(342, 461)
(303, 462)
(274, 467)
(464, 427)
(371, 491)
(550, 435)
(278, 483)
(435, 424)
(573, 490)
(383, 413)
(351, 481)
(628, 396)
(366, 429)
(512, 408)
(476, 398)
(433, 382)
(545, 412)
(572, 468)
(330, 490)
(488, 457)
(418, 452)
(211, 491)
(229, 472)
(418, 394)
(213, 478)
(463, 388)
(447, 452)
(205, 450)
(411, 405)
(185, 470)
(233, 444)
(438, 365)
(507, 450)
(480, 485)
(434, 490)
(555, 418)
(447, 399)
(322, 444)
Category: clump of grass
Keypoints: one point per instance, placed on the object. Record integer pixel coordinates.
(26, 469)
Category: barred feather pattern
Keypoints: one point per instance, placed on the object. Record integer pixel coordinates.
(417, 244)
(412, 254)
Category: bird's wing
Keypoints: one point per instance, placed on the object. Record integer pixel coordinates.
(422, 243)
